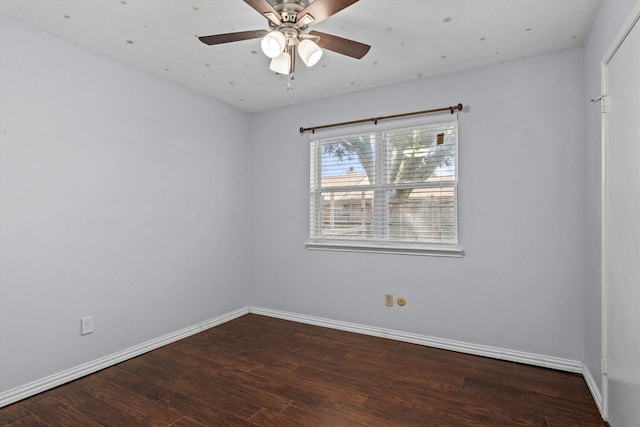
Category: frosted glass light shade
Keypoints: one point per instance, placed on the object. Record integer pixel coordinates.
(273, 44)
(281, 64)
(309, 52)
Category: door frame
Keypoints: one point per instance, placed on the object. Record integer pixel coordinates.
(626, 28)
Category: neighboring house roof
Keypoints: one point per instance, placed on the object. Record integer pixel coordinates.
(350, 179)
(354, 179)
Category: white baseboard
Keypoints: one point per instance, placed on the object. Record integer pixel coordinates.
(593, 388)
(38, 386)
(558, 363)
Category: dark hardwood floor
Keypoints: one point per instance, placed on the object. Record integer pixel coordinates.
(259, 371)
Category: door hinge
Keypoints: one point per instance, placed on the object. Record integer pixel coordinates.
(604, 366)
(605, 104)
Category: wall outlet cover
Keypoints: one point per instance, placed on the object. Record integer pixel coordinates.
(388, 300)
(86, 325)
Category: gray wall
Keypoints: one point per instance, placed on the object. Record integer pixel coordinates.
(122, 195)
(521, 210)
(610, 18)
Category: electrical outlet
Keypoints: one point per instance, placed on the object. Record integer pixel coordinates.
(388, 300)
(402, 302)
(86, 325)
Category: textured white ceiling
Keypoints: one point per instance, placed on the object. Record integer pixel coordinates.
(410, 39)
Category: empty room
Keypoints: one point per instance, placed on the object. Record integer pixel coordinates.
(319, 213)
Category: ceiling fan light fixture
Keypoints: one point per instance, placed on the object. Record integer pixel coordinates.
(309, 52)
(273, 44)
(281, 64)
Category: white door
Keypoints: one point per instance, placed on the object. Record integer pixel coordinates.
(621, 227)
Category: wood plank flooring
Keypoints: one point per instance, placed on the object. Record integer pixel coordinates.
(260, 371)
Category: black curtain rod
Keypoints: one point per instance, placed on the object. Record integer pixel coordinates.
(375, 120)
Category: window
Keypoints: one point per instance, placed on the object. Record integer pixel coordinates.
(386, 188)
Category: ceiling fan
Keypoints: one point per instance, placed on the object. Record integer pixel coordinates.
(289, 22)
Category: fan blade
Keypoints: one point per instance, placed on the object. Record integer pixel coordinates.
(263, 7)
(232, 37)
(337, 44)
(322, 9)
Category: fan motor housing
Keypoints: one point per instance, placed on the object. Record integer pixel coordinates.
(289, 9)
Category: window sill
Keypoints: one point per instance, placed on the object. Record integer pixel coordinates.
(385, 248)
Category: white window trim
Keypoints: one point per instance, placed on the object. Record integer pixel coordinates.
(379, 247)
(387, 247)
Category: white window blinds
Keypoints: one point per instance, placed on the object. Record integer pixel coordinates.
(392, 184)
